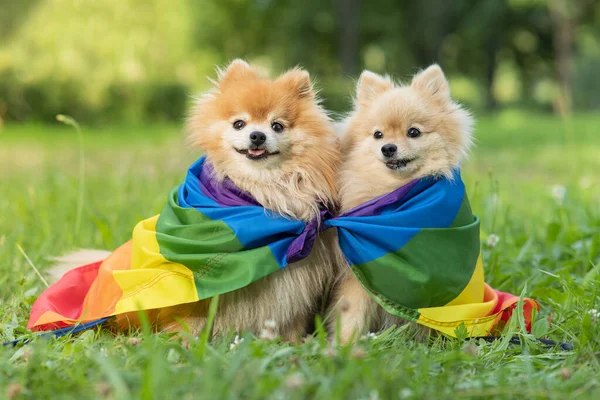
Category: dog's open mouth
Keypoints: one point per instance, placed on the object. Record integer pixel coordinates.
(399, 164)
(256, 154)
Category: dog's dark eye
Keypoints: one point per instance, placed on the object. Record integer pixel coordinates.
(277, 127)
(413, 133)
(378, 135)
(239, 124)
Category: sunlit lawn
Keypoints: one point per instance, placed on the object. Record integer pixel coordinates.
(518, 173)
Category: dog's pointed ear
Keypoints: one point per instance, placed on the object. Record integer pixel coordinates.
(432, 82)
(297, 81)
(370, 85)
(237, 70)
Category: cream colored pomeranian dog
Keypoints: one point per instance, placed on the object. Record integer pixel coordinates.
(395, 134)
(274, 141)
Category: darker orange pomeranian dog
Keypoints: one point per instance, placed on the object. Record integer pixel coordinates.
(273, 140)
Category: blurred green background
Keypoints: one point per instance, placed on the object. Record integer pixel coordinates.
(142, 60)
(126, 69)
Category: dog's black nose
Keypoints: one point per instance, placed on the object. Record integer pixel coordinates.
(389, 149)
(258, 138)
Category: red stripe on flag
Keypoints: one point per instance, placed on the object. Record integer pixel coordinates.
(65, 297)
(507, 302)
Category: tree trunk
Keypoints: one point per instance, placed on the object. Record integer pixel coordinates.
(490, 71)
(526, 79)
(564, 24)
(348, 12)
(495, 16)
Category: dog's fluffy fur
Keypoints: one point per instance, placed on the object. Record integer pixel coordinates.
(292, 173)
(366, 173)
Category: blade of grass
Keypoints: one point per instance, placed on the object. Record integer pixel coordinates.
(208, 329)
(44, 281)
(65, 119)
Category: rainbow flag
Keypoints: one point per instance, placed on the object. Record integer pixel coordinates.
(415, 250)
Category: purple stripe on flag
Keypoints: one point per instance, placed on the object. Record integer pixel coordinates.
(374, 207)
(301, 246)
(225, 192)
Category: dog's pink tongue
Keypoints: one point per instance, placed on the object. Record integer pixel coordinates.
(257, 152)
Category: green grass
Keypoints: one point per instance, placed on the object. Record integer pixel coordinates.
(548, 245)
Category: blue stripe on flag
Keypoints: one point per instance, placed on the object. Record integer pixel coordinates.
(252, 226)
(431, 203)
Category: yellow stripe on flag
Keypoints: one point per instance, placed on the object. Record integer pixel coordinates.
(473, 292)
(152, 281)
(472, 308)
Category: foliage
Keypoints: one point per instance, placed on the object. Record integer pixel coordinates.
(98, 60)
(140, 60)
(532, 180)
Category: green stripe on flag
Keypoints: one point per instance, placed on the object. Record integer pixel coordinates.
(210, 249)
(464, 216)
(431, 270)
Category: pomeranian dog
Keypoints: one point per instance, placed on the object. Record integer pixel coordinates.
(273, 140)
(395, 134)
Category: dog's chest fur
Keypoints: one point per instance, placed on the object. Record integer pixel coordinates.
(289, 297)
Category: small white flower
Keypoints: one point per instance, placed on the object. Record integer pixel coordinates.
(270, 324)
(494, 201)
(585, 182)
(370, 335)
(236, 341)
(558, 193)
(594, 314)
(493, 240)
(269, 332)
(374, 395)
(406, 393)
